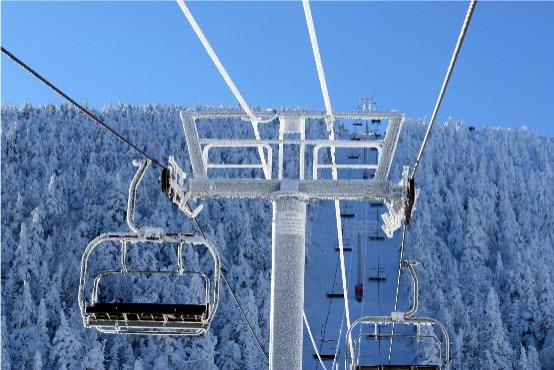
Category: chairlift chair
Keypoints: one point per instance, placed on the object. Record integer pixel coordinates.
(398, 318)
(377, 275)
(353, 155)
(346, 245)
(347, 212)
(148, 318)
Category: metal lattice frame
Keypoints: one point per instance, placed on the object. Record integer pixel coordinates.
(291, 122)
(289, 198)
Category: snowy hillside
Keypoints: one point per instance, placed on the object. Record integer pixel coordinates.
(483, 233)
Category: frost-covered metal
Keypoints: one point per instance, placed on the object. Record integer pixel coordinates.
(287, 281)
(149, 319)
(399, 318)
(289, 197)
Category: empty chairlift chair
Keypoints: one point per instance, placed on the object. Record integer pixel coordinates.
(398, 319)
(184, 318)
(347, 212)
(353, 155)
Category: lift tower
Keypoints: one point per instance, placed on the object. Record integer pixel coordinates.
(288, 196)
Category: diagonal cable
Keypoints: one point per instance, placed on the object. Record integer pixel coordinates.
(330, 121)
(438, 103)
(88, 113)
(228, 80)
(451, 66)
(313, 341)
(197, 224)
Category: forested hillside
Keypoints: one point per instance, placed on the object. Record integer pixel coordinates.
(483, 232)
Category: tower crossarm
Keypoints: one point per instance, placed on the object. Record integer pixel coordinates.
(267, 115)
(202, 188)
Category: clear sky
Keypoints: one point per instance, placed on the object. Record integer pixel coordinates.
(146, 52)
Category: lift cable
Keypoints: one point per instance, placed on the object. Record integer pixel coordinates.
(337, 349)
(236, 299)
(324, 330)
(227, 79)
(81, 108)
(402, 247)
(449, 71)
(313, 341)
(330, 120)
(144, 154)
(453, 60)
(244, 316)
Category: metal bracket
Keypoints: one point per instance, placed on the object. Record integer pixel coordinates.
(392, 219)
(173, 182)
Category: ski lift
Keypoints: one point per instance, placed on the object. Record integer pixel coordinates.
(326, 350)
(377, 238)
(398, 318)
(471, 129)
(346, 245)
(149, 318)
(378, 275)
(357, 124)
(353, 155)
(375, 121)
(347, 212)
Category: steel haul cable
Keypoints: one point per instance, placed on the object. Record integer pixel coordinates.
(438, 103)
(235, 299)
(329, 121)
(81, 108)
(227, 79)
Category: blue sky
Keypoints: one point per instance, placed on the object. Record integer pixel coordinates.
(146, 52)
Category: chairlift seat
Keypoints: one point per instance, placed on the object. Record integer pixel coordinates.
(345, 249)
(148, 312)
(374, 279)
(353, 156)
(376, 238)
(347, 215)
(375, 121)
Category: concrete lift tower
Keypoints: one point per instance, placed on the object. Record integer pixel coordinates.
(288, 196)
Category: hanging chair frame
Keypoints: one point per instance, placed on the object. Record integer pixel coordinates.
(153, 318)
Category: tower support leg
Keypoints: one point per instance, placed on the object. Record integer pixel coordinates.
(287, 283)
